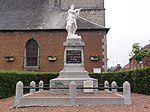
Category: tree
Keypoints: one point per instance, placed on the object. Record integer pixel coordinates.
(138, 53)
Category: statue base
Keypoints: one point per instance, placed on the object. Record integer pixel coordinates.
(73, 67)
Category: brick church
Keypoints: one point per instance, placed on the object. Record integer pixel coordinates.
(32, 33)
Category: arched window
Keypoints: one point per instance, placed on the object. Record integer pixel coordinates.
(31, 55)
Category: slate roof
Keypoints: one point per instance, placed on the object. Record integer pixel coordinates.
(126, 67)
(147, 46)
(37, 14)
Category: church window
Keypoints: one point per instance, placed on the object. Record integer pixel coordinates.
(31, 55)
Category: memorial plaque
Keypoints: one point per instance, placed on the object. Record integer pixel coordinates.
(73, 56)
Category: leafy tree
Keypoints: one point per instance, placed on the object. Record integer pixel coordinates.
(138, 53)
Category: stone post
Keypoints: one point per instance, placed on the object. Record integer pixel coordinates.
(106, 84)
(19, 89)
(114, 84)
(127, 93)
(19, 94)
(41, 84)
(32, 84)
(88, 83)
(72, 93)
(95, 85)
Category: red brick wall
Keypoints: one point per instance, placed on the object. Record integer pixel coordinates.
(146, 61)
(50, 43)
(133, 63)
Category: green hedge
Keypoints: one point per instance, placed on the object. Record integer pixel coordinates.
(139, 79)
(8, 80)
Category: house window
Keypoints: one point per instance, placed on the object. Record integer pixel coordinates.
(31, 55)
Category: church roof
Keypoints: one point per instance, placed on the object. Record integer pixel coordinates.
(37, 14)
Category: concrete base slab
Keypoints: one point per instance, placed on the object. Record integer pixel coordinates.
(33, 99)
(67, 102)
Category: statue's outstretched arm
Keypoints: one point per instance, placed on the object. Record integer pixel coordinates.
(78, 11)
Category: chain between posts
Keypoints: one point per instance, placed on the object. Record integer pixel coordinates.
(30, 87)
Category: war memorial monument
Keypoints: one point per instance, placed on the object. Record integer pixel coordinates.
(74, 78)
(73, 57)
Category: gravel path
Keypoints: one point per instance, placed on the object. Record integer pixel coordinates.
(140, 103)
(47, 94)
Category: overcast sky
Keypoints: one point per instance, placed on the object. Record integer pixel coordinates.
(129, 23)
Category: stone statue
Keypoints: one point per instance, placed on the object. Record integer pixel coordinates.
(71, 26)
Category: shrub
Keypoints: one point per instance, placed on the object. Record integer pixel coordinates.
(139, 79)
(8, 80)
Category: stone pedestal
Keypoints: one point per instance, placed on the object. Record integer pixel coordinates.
(73, 67)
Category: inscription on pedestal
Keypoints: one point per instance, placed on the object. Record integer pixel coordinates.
(73, 56)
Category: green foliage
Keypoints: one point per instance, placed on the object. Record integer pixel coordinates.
(138, 53)
(8, 80)
(139, 79)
